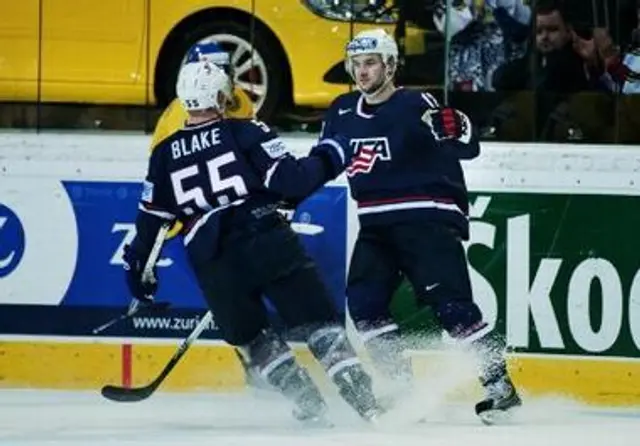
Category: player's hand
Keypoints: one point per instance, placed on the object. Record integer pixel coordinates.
(342, 148)
(141, 288)
(448, 123)
(335, 151)
(347, 148)
(287, 209)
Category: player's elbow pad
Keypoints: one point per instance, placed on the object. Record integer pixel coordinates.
(469, 150)
(333, 154)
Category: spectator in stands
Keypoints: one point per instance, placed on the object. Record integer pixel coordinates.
(485, 34)
(622, 67)
(562, 61)
(560, 65)
(622, 70)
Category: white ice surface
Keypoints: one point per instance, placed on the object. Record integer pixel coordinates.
(53, 418)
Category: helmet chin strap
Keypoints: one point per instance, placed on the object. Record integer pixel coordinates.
(373, 97)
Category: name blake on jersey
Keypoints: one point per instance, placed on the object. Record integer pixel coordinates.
(196, 142)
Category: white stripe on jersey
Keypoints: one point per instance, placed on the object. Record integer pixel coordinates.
(202, 220)
(270, 172)
(430, 100)
(336, 146)
(158, 213)
(406, 205)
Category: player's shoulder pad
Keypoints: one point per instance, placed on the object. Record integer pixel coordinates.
(344, 101)
(159, 150)
(418, 104)
(163, 145)
(157, 145)
(250, 133)
(419, 99)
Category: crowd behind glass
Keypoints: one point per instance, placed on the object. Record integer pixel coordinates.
(524, 70)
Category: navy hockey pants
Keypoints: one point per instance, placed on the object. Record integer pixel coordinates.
(430, 256)
(264, 258)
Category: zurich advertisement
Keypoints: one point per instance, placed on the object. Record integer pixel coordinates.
(61, 245)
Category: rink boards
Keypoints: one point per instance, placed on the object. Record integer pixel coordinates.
(553, 259)
(86, 365)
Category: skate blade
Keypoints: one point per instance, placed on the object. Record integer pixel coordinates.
(373, 418)
(375, 414)
(319, 421)
(316, 423)
(498, 416)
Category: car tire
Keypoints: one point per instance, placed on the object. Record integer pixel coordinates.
(268, 66)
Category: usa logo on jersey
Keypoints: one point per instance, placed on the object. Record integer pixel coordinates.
(367, 152)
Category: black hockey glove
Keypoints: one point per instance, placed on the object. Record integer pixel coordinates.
(141, 288)
(287, 208)
(448, 123)
(335, 152)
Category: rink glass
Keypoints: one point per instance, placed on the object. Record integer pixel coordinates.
(69, 67)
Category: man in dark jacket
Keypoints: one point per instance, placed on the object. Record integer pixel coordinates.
(560, 65)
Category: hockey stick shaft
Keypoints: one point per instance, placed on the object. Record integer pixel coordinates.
(113, 321)
(184, 347)
(124, 394)
(147, 274)
(155, 306)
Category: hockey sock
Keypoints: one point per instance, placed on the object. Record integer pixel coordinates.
(490, 349)
(331, 347)
(386, 348)
(276, 364)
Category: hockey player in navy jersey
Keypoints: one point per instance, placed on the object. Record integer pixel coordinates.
(411, 196)
(223, 178)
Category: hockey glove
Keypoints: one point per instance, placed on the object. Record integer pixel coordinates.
(287, 209)
(141, 286)
(448, 123)
(336, 153)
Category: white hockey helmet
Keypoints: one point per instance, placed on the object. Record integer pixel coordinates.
(373, 41)
(202, 85)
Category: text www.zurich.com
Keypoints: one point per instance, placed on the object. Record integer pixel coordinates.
(169, 323)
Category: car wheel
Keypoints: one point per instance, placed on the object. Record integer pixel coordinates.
(258, 69)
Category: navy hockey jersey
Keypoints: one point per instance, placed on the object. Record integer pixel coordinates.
(400, 170)
(203, 171)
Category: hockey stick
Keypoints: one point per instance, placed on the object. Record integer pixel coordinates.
(147, 275)
(132, 395)
(133, 309)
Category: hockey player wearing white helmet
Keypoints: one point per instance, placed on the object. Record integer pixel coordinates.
(203, 90)
(410, 190)
(224, 178)
(372, 60)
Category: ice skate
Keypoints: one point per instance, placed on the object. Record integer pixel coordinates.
(501, 402)
(311, 411)
(355, 387)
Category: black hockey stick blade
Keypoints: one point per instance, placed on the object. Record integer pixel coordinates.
(127, 395)
(135, 394)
